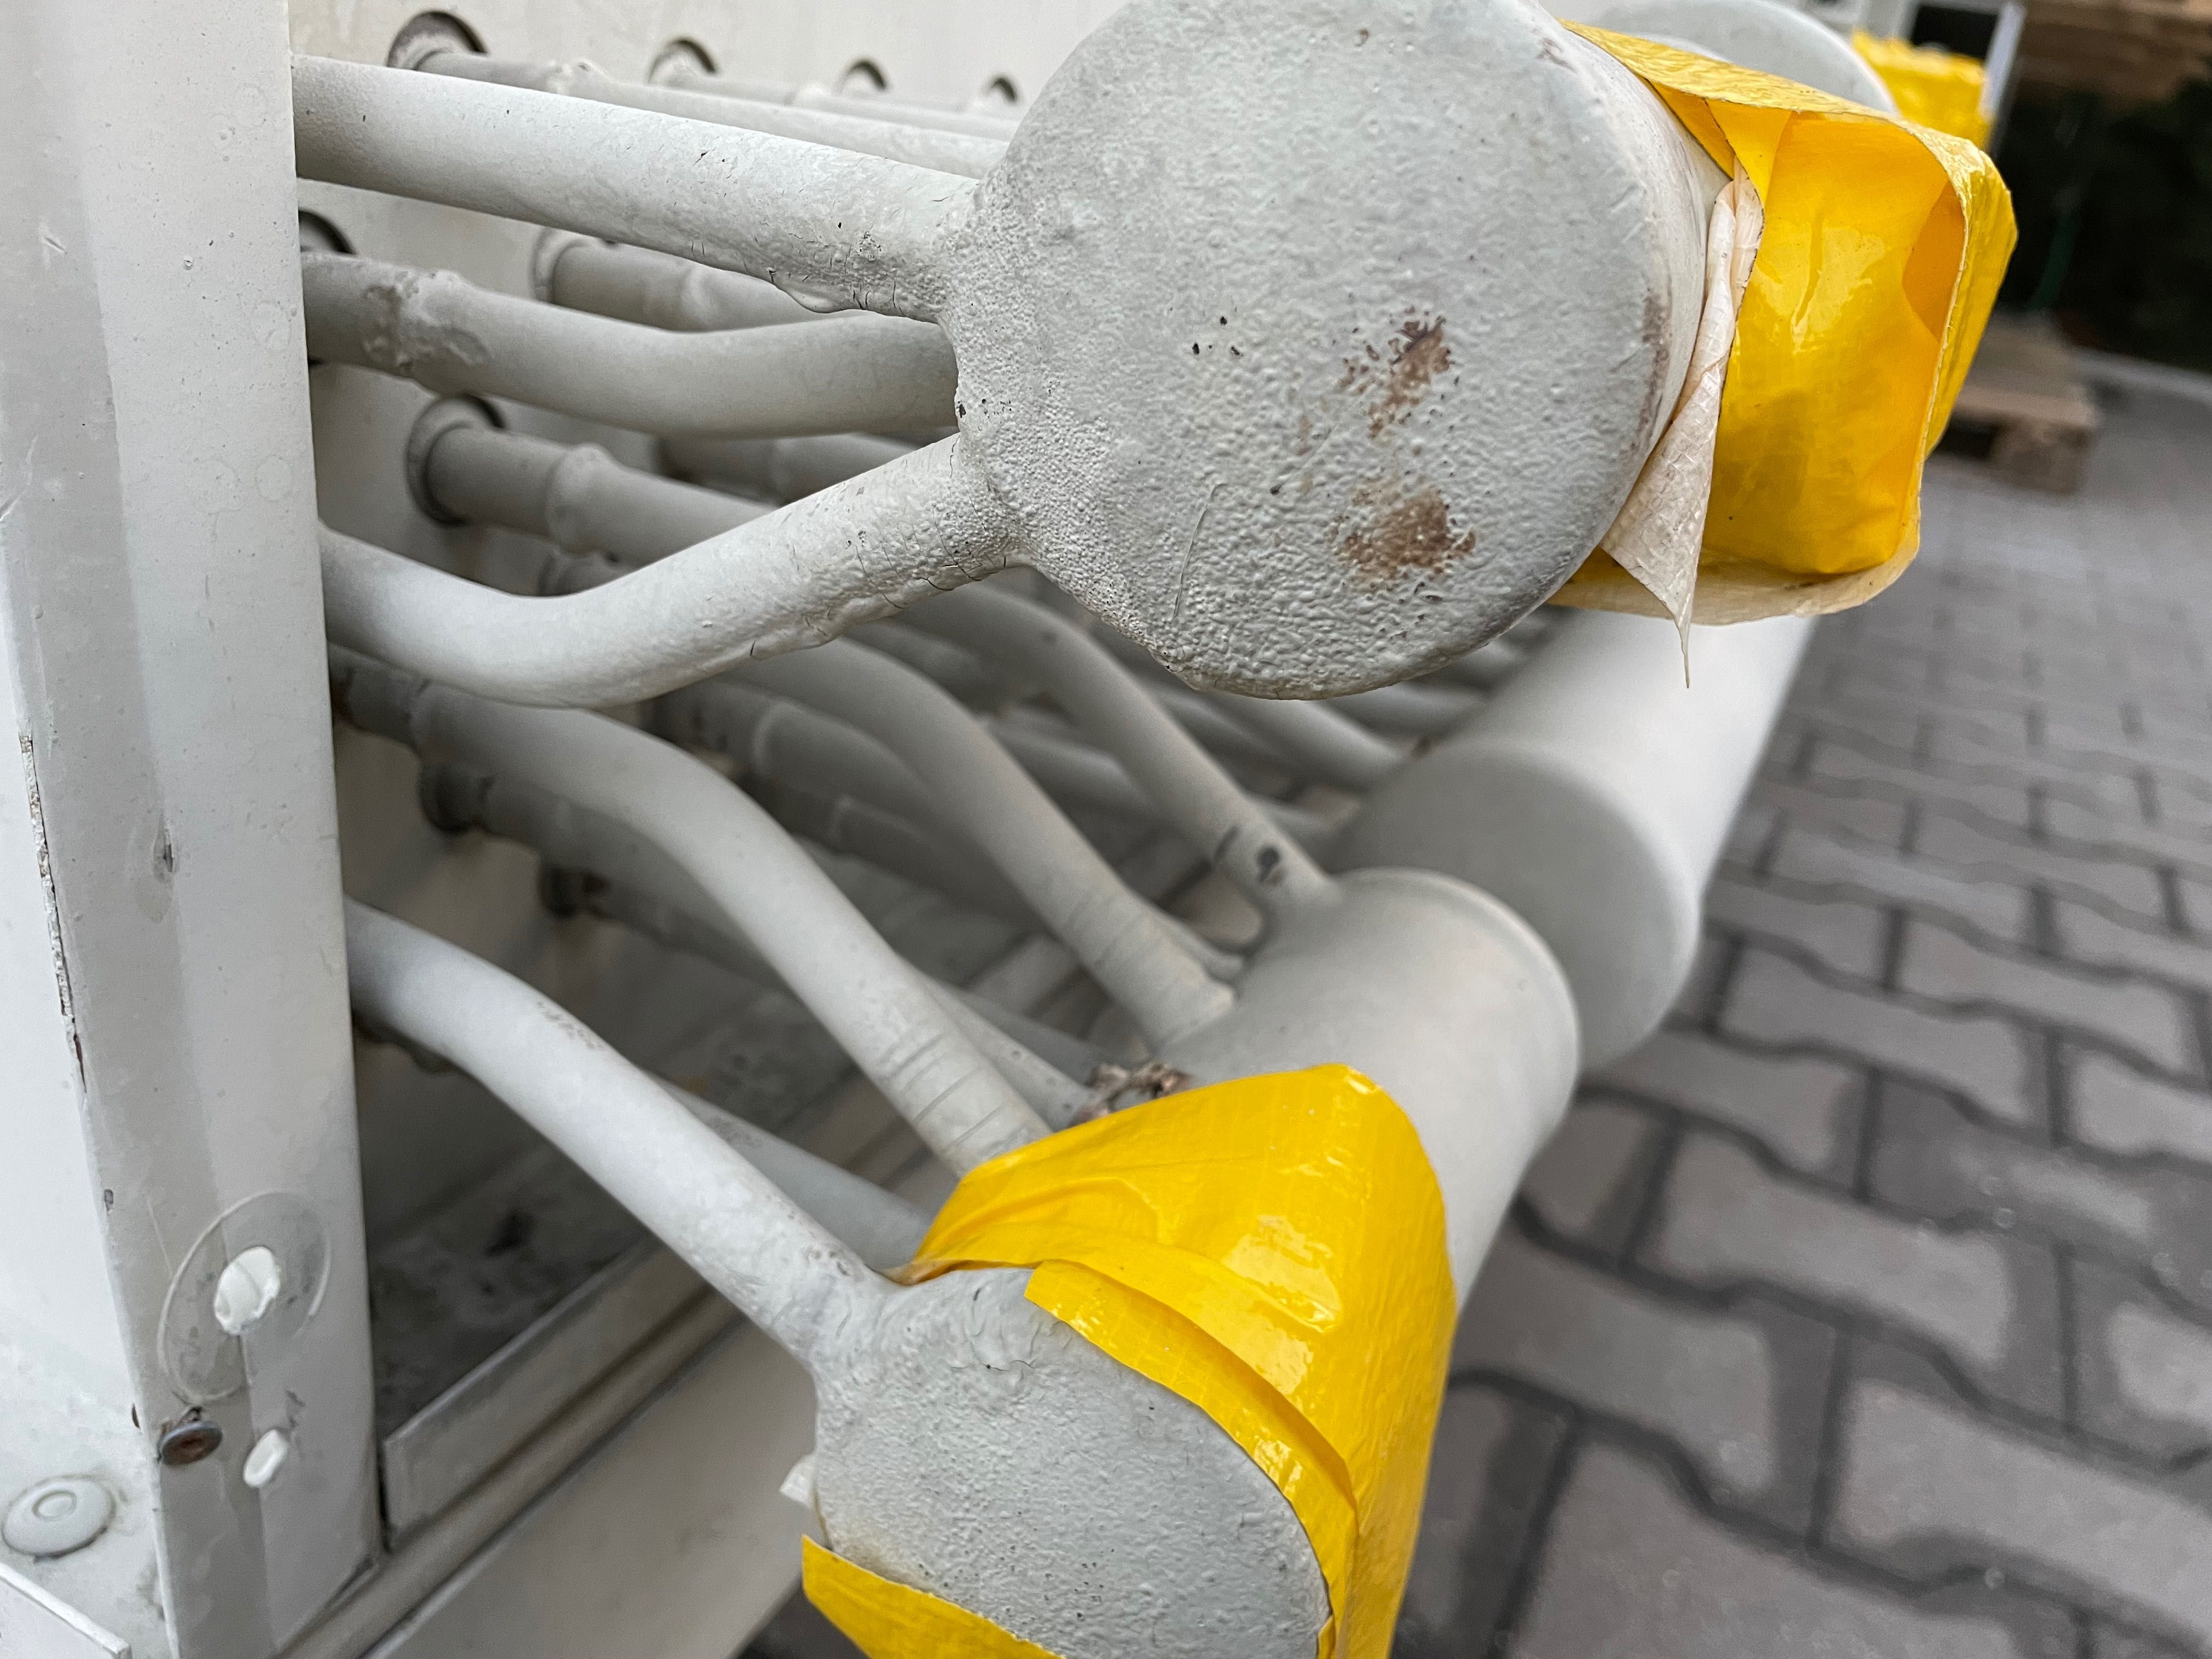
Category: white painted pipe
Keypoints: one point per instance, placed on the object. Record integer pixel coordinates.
(977, 787)
(784, 468)
(867, 134)
(637, 285)
(1139, 396)
(834, 227)
(1318, 740)
(964, 780)
(1594, 794)
(788, 1273)
(869, 999)
(878, 1227)
(653, 894)
(868, 373)
(803, 574)
(857, 828)
(1413, 709)
(1079, 775)
(980, 123)
(1194, 794)
(940, 766)
(1050, 1066)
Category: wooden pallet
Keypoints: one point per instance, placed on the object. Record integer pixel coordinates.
(2025, 408)
(2132, 51)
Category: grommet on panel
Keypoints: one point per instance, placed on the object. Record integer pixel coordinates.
(427, 32)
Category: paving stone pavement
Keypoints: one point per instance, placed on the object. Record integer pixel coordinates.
(1866, 1313)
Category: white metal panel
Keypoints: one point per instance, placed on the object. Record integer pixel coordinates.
(163, 604)
(34, 1625)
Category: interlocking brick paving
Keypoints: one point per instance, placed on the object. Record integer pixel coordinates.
(1867, 1312)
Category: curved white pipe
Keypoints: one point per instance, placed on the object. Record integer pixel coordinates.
(839, 966)
(786, 1271)
(1195, 795)
(880, 1228)
(798, 575)
(637, 285)
(784, 468)
(628, 879)
(978, 788)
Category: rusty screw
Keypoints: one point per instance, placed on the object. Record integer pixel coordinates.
(188, 1441)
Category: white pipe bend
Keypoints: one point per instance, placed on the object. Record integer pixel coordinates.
(869, 999)
(705, 1200)
(804, 573)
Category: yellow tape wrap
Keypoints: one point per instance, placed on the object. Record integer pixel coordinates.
(1273, 1250)
(1934, 87)
(1884, 245)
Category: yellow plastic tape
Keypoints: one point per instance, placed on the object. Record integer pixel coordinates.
(895, 1621)
(1271, 1249)
(1883, 248)
(1934, 87)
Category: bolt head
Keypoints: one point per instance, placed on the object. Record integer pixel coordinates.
(187, 1442)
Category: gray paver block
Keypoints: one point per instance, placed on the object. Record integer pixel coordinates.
(1926, 1486)
(799, 1632)
(1930, 1158)
(1983, 1057)
(1841, 759)
(2116, 1109)
(1583, 1185)
(1803, 1109)
(2197, 906)
(1846, 934)
(1876, 820)
(2108, 1641)
(1491, 1461)
(2131, 887)
(1988, 1301)
(2105, 831)
(1898, 725)
(2089, 936)
(1632, 1570)
(2145, 1373)
(1818, 861)
(2146, 1019)
(1708, 1381)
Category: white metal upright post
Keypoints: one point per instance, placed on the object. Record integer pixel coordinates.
(169, 907)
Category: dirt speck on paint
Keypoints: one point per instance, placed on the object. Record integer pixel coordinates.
(1395, 379)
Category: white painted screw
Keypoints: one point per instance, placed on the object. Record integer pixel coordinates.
(57, 1517)
(269, 1455)
(248, 1288)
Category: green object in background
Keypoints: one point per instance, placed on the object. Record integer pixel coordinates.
(2115, 211)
